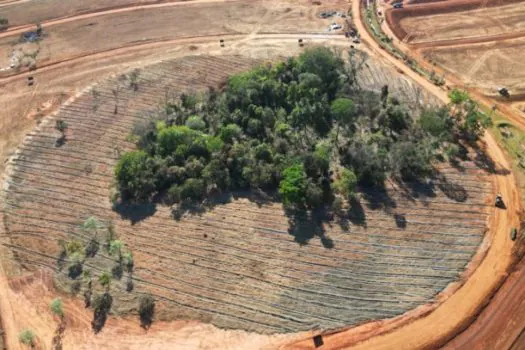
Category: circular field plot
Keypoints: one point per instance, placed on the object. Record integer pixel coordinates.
(244, 263)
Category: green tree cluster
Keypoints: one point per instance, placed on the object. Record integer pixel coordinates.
(302, 127)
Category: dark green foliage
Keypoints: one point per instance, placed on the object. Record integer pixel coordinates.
(290, 127)
(293, 185)
(117, 271)
(345, 185)
(412, 159)
(437, 123)
(61, 125)
(75, 270)
(135, 173)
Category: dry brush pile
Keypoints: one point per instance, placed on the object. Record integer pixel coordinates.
(239, 265)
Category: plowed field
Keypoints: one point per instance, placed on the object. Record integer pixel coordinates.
(479, 42)
(244, 264)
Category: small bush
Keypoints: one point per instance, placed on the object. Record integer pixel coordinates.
(27, 337)
(56, 307)
(129, 284)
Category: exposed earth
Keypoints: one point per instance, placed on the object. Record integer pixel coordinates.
(417, 259)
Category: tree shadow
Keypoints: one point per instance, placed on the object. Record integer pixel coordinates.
(135, 212)
(417, 189)
(304, 225)
(102, 305)
(452, 190)
(378, 198)
(401, 220)
(356, 213)
(484, 161)
(195, 207)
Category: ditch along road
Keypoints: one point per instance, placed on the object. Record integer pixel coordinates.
(432, 326)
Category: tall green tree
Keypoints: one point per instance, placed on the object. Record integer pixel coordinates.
(293, 185)
(135, 174)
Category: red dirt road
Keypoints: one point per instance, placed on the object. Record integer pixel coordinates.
(501, 322)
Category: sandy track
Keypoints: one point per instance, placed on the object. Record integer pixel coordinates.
(459, 310)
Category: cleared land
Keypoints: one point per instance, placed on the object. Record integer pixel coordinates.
(478, 43)
(465, 24)
(31, 12)
(126, 29)
(30, 296)
(487, 66)
(396, 251)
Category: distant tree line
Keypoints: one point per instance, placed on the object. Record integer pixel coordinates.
(302, 127)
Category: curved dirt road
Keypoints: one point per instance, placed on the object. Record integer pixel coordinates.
(459, 310)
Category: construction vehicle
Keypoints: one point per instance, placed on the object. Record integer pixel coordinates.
(499, 201)
(503, 91)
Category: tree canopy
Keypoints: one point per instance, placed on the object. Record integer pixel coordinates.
(302, 127)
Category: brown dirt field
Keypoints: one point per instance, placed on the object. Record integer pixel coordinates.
(27, 305)
(395, 17)
(412, 247)
(478, 47)
(465, 24)
(78, 37)
(22, 13)
(485, 66)
(457, 312)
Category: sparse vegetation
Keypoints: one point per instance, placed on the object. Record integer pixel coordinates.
(57, 307)
(27, 337)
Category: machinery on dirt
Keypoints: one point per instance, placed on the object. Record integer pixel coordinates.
(513, 234)
(504, 92)
(398, 5)
(499, 201)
